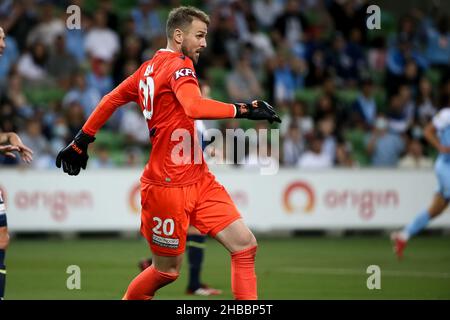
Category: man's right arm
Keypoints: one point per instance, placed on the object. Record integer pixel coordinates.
(184, 84)
(197, 107)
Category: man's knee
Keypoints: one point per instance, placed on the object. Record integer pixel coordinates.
(438, 205)
(170, 265)
(4, 238)
(236, 237)
(245, 241)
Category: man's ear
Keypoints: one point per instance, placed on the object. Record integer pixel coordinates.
(178, 36)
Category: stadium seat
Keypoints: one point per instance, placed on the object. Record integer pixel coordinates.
(44, 96)
(309, 96)
(434, 76)
(357, 139)
(347, 96)
(112, 140)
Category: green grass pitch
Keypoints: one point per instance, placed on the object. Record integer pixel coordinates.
(292, 268)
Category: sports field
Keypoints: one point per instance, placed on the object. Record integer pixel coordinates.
(288, 268)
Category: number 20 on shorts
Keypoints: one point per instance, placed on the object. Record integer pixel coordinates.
(167, 226)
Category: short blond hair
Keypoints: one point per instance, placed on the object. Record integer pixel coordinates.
(182, 17)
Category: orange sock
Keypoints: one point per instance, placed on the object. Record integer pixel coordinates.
(243, 276)
(144, 286)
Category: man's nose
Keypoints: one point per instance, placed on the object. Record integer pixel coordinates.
(203, 43)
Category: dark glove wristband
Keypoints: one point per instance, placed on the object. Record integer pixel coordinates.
(83, 139)
(242, 110)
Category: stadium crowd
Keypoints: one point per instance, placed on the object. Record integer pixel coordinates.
(349, 96)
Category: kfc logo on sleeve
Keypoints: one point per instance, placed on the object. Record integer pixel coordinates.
(184, 72)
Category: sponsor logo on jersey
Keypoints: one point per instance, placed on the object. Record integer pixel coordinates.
(165, 242)
(184, 72)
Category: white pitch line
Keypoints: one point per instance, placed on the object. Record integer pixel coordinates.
(358, 272)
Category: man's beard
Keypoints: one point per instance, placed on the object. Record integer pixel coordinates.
(185, 51)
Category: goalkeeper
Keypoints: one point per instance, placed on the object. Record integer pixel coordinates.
(176, 188)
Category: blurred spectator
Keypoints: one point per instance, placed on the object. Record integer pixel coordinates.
(131, 52)
(32, 65)
(293, 145)
(344, 156)
(133, 157)
(365, 107)
(49, 26)
(260, 41)
(298, 114)
(8, 55)
(9, 119)
(384, 146)
(266, 12)
(326, 128)
(346, 60)
(397, 59)
(414, 158)
(408, 29)
(134, 126)
(425, 104)
(60, 135)
(324, 108)
(288, 76)
(101, 158)
(290, 26)
(15, 96)
(241, 12)
(328, 88)
(224, 39)
(101, 42)
(148, 24)
(411, 76)
(112, 19)
(33, 138)
(18, 20)
(317, 69)
(61, 64)
(75, 118)
(438, 42)
(348, 15)
(242, 83)
(315, 157)
(377, 54)
(401, 110)
(99, 77)
(81, 93)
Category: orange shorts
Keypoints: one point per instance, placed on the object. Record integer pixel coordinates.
(167, 213)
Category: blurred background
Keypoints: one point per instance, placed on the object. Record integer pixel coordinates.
(353, 159)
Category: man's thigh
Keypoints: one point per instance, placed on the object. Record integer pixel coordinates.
(165, 218)
(215, 209)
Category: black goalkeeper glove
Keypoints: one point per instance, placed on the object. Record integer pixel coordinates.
(257, 110)
(74, 156)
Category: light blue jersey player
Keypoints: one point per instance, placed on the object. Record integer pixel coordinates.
(437, 134)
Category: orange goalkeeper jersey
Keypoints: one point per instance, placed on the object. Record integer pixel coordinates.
(167, 91)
